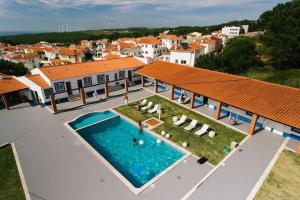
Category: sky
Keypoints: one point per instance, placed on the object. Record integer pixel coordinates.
(49, 15)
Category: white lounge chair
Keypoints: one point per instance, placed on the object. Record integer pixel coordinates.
(192, 125)
(181, 120)
(154, 109)
(147, 106)
(202, 130)
(143, 102)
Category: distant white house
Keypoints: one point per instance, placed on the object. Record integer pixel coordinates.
(151, 47)
(185, 54)
(233, 31)
(170, 40)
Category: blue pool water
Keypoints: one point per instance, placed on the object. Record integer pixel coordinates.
(91, 118)
(113, 139)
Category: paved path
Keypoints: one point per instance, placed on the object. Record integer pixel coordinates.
(242, 170)
(57, 166)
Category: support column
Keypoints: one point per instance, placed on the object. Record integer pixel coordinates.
(172, 92)
(192, 100)
(156, 86)
(5, 102)
(126, 85)
(143, 81)
(252, 124)
(53, 103)
(82, 95)
(106, 89)
(218, 111)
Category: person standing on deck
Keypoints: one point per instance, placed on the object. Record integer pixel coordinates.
(126, 99)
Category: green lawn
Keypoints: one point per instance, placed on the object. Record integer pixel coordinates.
(10, 184)
(289, 77)
(284, 179)
(212, 148)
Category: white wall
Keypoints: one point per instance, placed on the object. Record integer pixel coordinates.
(189, 57)
(34, 87)
(152, 51)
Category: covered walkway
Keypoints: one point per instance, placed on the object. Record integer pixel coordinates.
(246, 104)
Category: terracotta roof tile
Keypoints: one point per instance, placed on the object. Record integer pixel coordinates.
(88, 68)
(70, 51)
(272, 101)
(37, 79)
(191, 47)
(10, 84)
(111, 56)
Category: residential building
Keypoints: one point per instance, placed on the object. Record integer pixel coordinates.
(151, 47)
(171, 40)
(233, 31)
(30, 60)
(66, 80)
(184, 53)
(73, 55)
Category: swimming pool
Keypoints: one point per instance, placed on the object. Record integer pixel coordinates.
(91, 118)
(138, 163)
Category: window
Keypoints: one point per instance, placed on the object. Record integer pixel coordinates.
(183, 61)
(100, 78)
(121, 74)
(47, 93)
(146, 52)
(107, 78)
(176, 61)
(249, 113)
(146, 46)
(87, 81)
(59, 86)
(116, 76)
(297, 130)
(225, 105)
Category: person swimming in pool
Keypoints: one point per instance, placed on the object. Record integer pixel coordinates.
(140, 127)
(134, 140)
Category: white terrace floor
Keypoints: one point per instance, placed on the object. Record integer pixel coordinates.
(57, 166)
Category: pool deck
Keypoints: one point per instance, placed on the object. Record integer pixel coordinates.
(56, 165)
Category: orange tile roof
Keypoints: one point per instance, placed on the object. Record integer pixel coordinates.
(111, 56)
(272, 101)
(148, 40)
(88, 68)
(58, 61)
(10, 84)
(174, 37)
(125, 45)
(37, 79)
(69, 51)
(25, 56)
(191, 47)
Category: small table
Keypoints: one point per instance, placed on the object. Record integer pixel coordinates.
(211, 134)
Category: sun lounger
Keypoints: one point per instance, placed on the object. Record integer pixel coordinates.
(192, 125)
(143, 102)
(147, 106)
(181, 120)
(202, 130)
(153, 110)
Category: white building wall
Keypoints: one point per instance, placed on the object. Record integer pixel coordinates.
(34, 87)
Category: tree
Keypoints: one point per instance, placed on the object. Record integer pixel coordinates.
(282, 34)
(10, 68)
(239, 55)
(88, 55)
